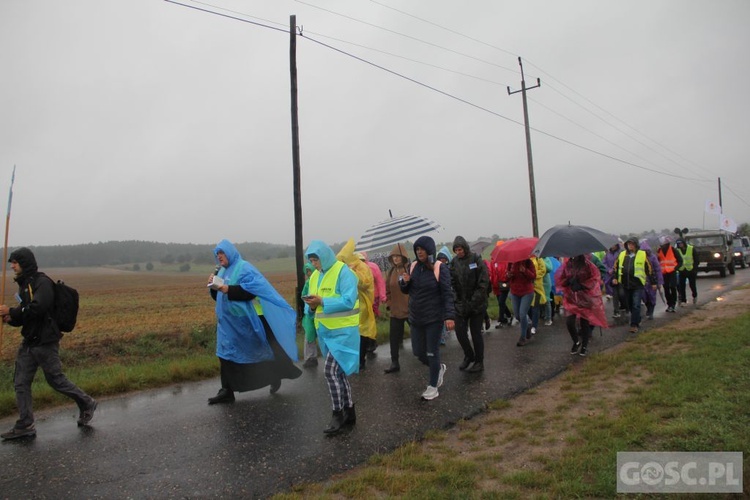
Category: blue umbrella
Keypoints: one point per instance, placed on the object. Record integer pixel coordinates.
(395, 230)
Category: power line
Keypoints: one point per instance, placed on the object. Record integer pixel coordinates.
(434, 89)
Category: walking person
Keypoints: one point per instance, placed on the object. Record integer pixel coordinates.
(255, 329)
(334, 301)
(632, 270)
(366, 295)
(501, 289)
(670, 260)
(581, 285)
(655, 278)
(428, 285)
(687, 272)
(397, 302)
(539, 299)
(444, 256)
(521, 277)
(40, 345)
(612, 290)
(470, 285)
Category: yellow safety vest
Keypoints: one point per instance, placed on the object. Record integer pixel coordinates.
(640, 266)
(326, 287)
(687, 258)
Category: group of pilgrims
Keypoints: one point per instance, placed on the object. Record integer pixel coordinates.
(434, 293)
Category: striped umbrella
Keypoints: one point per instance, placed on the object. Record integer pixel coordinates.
(395, 230)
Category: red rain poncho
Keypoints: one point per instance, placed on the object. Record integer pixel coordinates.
(581, 285)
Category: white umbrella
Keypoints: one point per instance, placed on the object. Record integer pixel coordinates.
(395, 230)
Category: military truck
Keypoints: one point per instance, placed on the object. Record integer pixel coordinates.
(714, 250)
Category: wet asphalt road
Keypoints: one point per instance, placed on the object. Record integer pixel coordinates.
(168, 443)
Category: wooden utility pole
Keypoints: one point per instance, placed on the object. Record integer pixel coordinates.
(298, 250)
(532, 189)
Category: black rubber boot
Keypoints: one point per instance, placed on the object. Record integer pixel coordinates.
(395, 367)
(337, 420)
(350, 416)
(224, 396)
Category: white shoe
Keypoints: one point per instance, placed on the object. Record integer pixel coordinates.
(440, 375)
(533, 330)
(430, 393)
(548, 323)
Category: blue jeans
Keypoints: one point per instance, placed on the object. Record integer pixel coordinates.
(521, 304)
(633, 300)
(425, 344)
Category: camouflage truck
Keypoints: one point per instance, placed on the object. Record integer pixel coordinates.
(714, 250)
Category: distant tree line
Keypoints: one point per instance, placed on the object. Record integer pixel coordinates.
(113, 253)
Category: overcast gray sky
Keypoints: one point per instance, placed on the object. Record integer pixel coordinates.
(146, 120)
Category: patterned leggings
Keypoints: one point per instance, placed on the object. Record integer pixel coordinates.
(338, 385)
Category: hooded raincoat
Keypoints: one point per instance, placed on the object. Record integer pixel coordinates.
(365, 289)
(308, 321)
(240, 335)
(580, 282)
(342, 343)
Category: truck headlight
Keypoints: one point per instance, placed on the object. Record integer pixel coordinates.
(717, 255)
(737, 254)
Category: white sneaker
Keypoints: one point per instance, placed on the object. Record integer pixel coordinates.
(440, 375)
(548, 322)
(430, 393)
(533, 330)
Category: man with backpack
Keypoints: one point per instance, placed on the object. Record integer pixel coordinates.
(40, 345)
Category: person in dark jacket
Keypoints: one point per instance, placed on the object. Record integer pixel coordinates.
(471, 282)
(40, 346)
(430, 305)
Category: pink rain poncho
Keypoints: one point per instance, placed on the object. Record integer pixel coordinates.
(581, 285)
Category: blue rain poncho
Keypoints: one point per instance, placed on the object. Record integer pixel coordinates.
(240, 335)
(343, 343)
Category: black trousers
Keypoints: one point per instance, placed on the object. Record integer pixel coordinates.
(473, 323)
(689, 277)
(584, 333)
(396, 337)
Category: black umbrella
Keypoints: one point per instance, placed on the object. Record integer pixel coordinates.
(569, 241)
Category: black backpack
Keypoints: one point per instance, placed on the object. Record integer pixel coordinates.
(65, 311)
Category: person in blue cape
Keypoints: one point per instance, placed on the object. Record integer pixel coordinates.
(333, 299)
(255, 328)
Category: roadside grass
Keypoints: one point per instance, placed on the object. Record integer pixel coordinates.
(671, 389)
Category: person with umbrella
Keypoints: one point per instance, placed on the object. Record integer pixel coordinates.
(470, 285)
(632, 270)
(521, 277)
(397, 302)
(581, 284)
(430, 305)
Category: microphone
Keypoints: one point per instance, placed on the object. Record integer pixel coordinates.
(216, 271)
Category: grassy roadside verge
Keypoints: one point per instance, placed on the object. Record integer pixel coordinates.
(685, 387)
